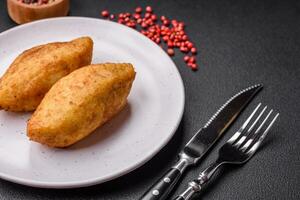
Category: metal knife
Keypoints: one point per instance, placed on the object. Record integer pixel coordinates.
(201, 142)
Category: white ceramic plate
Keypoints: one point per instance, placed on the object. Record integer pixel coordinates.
(155, 108)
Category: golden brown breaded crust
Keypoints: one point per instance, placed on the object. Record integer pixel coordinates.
(80, 102)
(33, 72)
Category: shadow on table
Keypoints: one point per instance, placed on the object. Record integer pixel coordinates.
(134, 181)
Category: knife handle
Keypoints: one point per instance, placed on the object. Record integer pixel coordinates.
(161, 189)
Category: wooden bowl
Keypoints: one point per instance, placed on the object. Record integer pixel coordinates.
(22, 13)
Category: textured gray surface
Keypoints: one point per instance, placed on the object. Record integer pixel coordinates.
(240, 43)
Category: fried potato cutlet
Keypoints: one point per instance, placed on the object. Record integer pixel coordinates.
(80, 102)
(33, 73)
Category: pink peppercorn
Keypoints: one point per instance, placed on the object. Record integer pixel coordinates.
(163, 18)
(105, 13)
(136, 16)
(170, 44)
(138, 10)
(166, 22)
(192, 59)
(153, 17)
(194, 66)
(190, 45)
(147, 15)
(171, 52)
(194, 50)
(186, 58)
(144, 25)
(149, 9)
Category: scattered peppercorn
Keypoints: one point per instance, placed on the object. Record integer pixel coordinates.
(105, 13)
(158, 29)
(171, 52)
(194, 50)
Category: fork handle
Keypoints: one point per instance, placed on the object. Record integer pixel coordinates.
(196, 185)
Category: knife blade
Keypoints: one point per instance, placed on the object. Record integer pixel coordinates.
(201, 142)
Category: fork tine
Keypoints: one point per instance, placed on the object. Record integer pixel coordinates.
(247, 135)
(237, 134)
(261, 125)
(256, 120)
(250, 117)
(249, 141)
(255, 146)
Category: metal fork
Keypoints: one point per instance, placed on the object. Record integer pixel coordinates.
(237, 150)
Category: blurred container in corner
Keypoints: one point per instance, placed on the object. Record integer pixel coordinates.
(23, 11)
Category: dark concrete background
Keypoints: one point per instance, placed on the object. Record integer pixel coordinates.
(240, 42)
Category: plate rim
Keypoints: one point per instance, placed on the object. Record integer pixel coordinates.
(94, 181)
